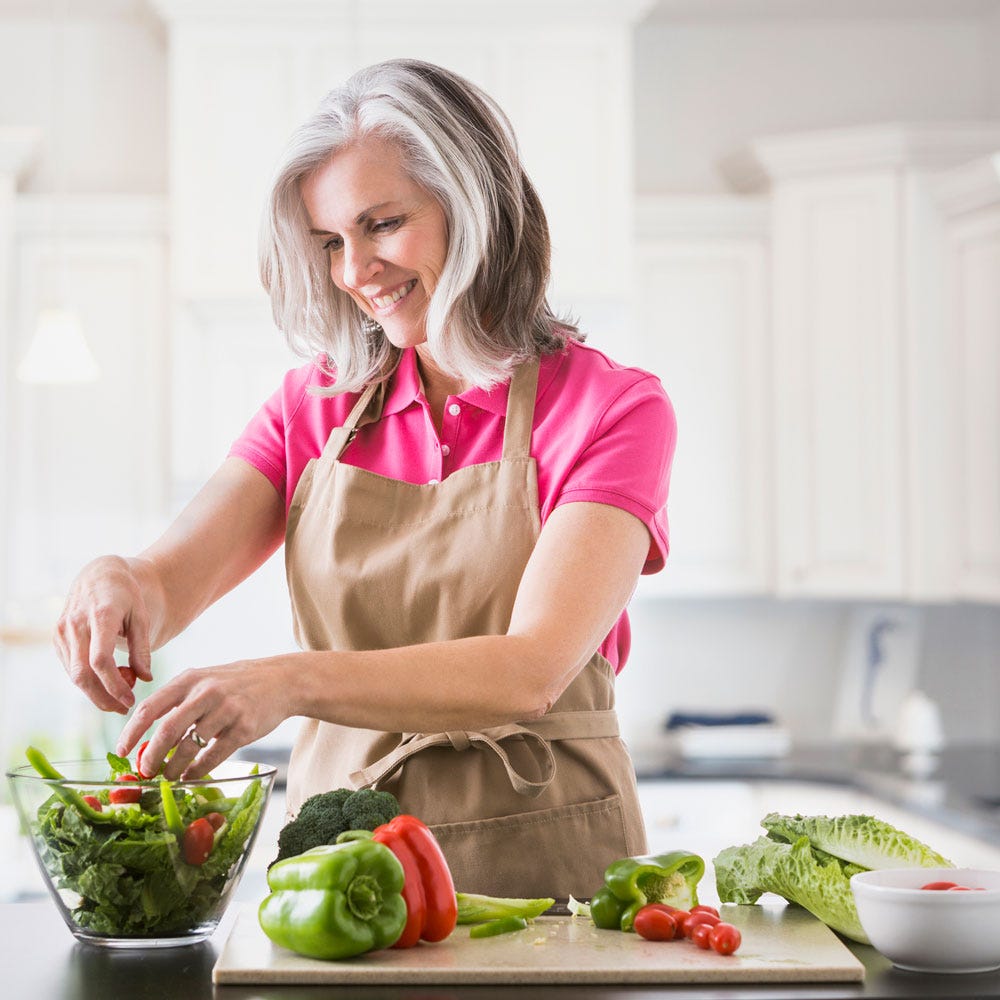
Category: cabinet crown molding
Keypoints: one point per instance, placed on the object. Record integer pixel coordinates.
(927, 146)
(532, 13)
(18, 147)
(970, 187)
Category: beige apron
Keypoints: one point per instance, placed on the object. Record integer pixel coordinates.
(525, 809)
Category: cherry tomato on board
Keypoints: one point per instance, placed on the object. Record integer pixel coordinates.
(696, 917)
(724, 938)
(123, 795)
(702, 908)
(655, 923)
(199, 838)
(701, 935)
(128, 676)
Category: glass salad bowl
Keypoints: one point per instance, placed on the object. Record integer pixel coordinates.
(135, 863)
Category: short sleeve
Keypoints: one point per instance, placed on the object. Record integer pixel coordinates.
(628, 460)
(264, 441)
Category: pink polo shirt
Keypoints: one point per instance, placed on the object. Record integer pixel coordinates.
(601, 432)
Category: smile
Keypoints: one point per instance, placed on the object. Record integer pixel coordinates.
(385, 301)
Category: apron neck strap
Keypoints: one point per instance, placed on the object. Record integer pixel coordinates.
(365, 410)
(520, 410)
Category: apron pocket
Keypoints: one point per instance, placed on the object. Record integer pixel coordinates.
(554, 852)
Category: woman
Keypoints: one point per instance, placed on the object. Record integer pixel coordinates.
(466, 493)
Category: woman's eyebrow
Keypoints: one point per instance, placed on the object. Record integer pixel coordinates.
(363, 217)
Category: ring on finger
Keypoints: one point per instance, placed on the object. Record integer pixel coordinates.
(197, 739)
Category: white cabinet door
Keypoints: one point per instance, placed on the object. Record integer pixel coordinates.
(974, 319)
(702, 325)
(702, 328)
(838, 429)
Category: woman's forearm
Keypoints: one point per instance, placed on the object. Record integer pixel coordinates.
(466, 683)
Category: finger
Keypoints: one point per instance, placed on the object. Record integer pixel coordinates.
(209, 727)
(147, 712)
(74, 646)
(102, 661)
(170, 733)
(222, 747)
(185, 752)
(140, 657)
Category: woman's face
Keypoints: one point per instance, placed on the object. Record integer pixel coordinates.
(386, 237)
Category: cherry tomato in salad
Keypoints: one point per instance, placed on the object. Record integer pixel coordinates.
(128, 676)
(124, 795)
(216, 820)
(725, 938)
(958, 888)
(655, 923)
(696, 917)
(199, 838)
(939, 885)
(701, 935)
(138, 760)
(94, 802)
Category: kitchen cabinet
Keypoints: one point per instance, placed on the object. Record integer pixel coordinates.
(969, 197)
(830, 346)
(702, 326)
(863, 380)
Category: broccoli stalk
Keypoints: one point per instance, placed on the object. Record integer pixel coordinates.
(323, 817)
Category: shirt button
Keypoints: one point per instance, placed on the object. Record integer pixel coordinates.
(431, 482)
(454, 409)
(445, 450)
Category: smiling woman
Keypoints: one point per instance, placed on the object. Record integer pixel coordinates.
(466, 493)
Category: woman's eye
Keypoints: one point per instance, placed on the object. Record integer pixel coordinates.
(386, 225)
(333, 244)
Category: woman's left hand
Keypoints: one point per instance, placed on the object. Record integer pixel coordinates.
(226, 707)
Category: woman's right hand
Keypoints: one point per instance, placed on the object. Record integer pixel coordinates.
(105, 604)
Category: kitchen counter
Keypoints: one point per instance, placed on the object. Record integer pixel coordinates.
(41, 961)
(962, 792)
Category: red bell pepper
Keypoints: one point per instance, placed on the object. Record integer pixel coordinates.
(428, 889)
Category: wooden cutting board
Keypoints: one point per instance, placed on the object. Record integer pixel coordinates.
(781, 944)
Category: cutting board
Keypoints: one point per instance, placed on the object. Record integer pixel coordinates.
(780, 945)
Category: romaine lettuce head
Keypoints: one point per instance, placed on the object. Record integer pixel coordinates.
(817, 881)
(863, 840)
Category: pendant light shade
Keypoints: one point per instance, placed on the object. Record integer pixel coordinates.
(58, 353)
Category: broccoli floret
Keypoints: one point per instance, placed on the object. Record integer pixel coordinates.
(323, 817)
(367, 809)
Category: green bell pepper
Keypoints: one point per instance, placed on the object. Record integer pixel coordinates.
(336, 900)
(631, 883)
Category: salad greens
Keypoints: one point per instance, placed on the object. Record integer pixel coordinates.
(122, 868)
(810, 860)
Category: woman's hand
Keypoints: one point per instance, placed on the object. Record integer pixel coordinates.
(227, 706)
(105, 604)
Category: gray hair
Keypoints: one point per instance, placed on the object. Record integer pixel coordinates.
(489, 310)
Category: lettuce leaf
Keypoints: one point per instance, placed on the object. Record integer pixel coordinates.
(863, 840)
(817, 881)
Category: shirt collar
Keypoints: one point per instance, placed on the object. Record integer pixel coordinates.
(495, 399)
(404, 385)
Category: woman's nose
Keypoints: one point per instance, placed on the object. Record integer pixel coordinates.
(359, 264)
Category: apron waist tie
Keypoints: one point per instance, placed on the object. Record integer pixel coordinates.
(554, 726)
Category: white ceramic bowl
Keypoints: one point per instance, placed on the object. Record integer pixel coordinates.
(928, 930)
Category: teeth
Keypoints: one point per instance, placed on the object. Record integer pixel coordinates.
(387, 300)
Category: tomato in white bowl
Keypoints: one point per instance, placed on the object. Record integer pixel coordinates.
(932, 919)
